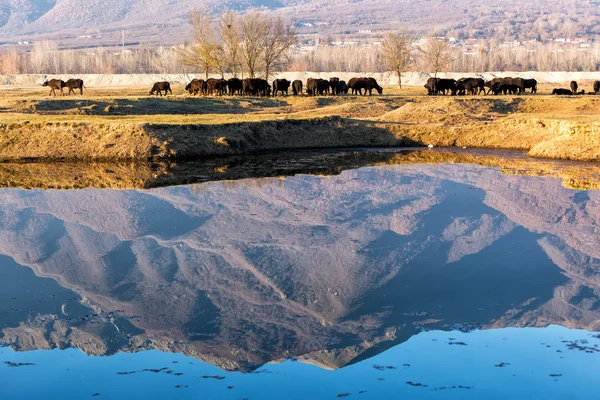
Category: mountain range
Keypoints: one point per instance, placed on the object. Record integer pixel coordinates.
(92, 22)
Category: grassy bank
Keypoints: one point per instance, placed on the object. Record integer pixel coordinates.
(126, 125)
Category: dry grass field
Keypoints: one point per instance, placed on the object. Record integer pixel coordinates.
(125, 123)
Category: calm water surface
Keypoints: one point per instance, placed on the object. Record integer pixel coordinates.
(415, 281)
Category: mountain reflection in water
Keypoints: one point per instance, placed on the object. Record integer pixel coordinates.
(329, 270)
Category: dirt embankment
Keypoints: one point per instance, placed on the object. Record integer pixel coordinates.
(101, 126)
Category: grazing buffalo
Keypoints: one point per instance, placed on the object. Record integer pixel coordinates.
(372, 84)
(234, 85)
(574, 87)
(431, 86)
(281, 85)
(297, 87)
(55, 84)
(597, 87)
(530, 84)
(473, 86)
(256, 87)
(73, 84)
(562, 92)
(489, 85)
(196, 86)
(445, 85)
(317, 87)
(216, 86)
(343, 87)
(160, 87)
(312, 87)
(505, 89)
(518, 82)
(334, 84)
(357, 85)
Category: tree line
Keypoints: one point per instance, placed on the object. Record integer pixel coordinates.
(256, 44)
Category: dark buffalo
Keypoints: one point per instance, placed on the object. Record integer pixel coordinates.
(281, 85)
(317, 87)
(518, 82)
(473, 86)
(334, 84)
(343, 87)
(160, 87)
(436, 86)
(196, 86)
(234, 86)
(574, 87)
(461, 90)
(357, 85)
(446, 86)
(597, 87)
(54, 85)
(562, 92)
(530, 84)
(297, 87)
(505, 89)
(431, 86)
(489, 85)
(216, 86)
(374, 85)
(256, 87)
(73, 84)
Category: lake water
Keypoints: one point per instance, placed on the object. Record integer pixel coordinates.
(435, 281)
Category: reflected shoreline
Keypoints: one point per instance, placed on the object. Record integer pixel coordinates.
(551, 362)
(147, 175)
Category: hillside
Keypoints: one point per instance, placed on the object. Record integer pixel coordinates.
(164, 21)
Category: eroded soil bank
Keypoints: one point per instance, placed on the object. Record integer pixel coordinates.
(135, 127)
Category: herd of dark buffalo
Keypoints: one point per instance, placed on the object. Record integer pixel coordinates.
(334, 86)
(261, 87)
(496, 86)
(247, 87)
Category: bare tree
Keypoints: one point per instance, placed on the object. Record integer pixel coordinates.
(229, 27)
(201, 53)
(254, 30)
(395, 51)
(280, 37)
(222, 62)
(437, 54)
(265, 42)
